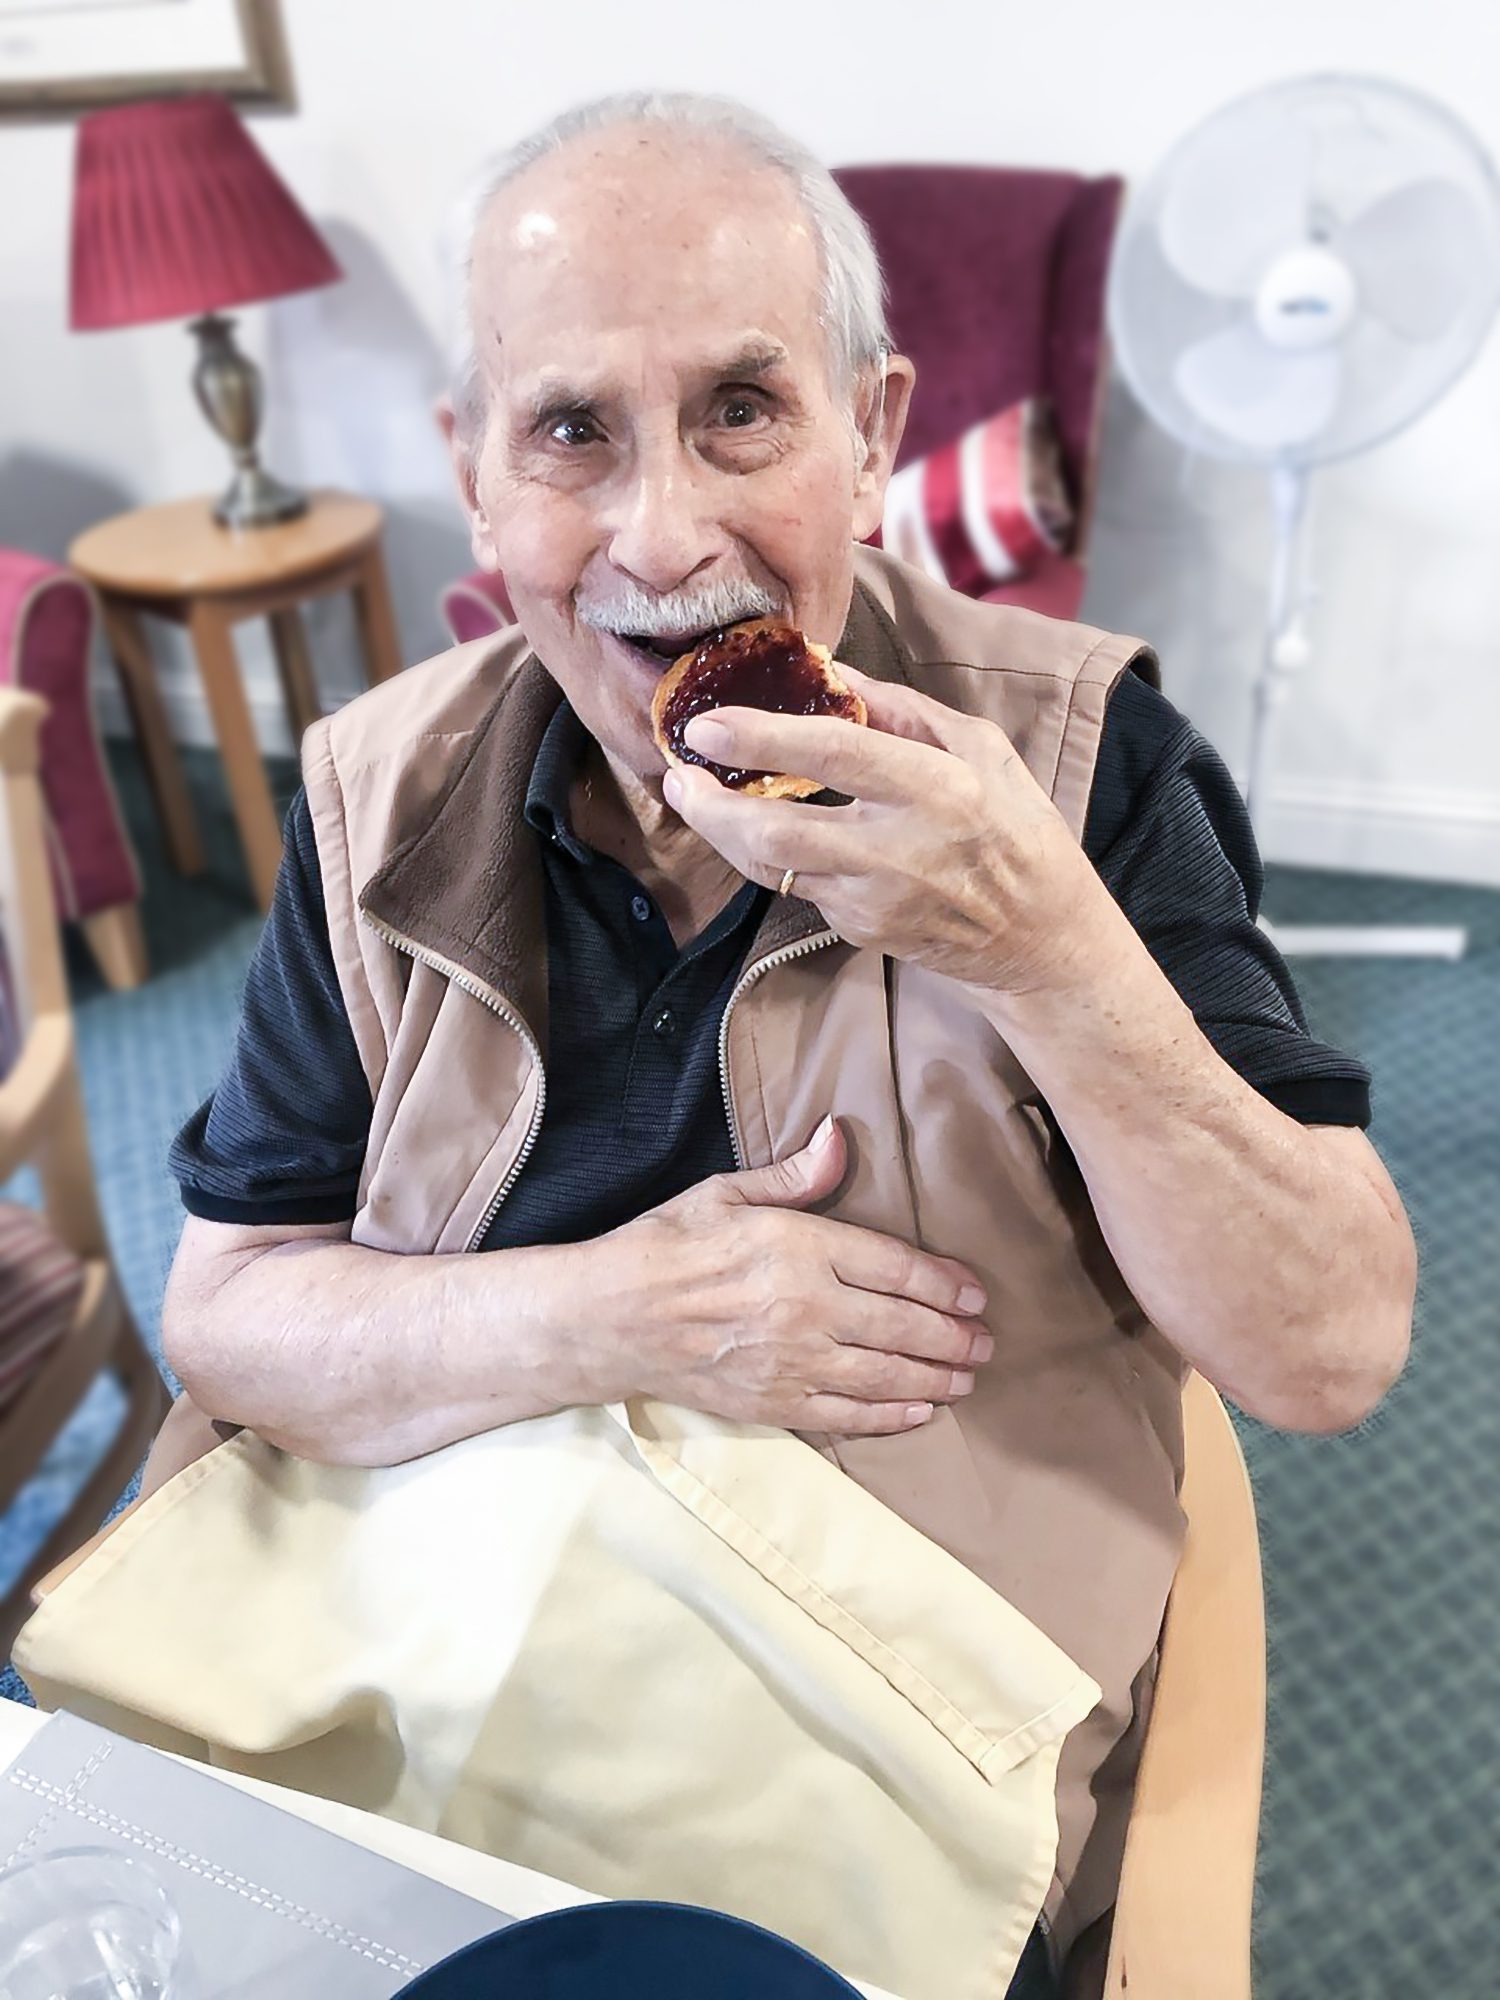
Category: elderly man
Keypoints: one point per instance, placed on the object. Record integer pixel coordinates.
(945, 1124)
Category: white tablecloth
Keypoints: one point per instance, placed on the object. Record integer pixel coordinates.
(519, 1891)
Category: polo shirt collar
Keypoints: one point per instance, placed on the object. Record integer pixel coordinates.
(547, 792)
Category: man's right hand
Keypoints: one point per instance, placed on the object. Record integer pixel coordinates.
(729, 1299)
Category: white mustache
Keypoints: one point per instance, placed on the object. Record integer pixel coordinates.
(694, 609)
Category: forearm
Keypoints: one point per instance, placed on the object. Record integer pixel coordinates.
(349, 1355)
(1275, 1258)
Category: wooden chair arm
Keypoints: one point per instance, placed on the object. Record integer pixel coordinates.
(42, 1124)
(1182, 1918)
(31, 1094)
(41, 1104)
(21, 719)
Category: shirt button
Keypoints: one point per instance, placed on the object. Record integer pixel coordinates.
(640, 909)
(665, 1024)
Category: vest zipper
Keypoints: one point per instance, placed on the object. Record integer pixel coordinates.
(487, 997)
(746, 980)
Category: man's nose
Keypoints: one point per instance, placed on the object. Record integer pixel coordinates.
(662, 532)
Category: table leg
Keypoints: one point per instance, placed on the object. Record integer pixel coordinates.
(137, 671)
(377, 618)
(300, 690)
(249, 790)
(118, 943)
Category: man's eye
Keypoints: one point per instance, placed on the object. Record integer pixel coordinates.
(741, 411)
(575, 430)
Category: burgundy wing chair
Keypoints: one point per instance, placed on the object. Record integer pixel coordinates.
(996, 277)
(48, 616)
(997, 283)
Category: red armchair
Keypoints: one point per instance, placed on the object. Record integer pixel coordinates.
(475, 605)
(996, 277)
(47, 623)
(997, 281)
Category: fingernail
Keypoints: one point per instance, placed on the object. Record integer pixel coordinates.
(971, 1299)
(963, 1381)
(983, 1348)
(706, 734)
(824, 1132)
(671, 790)
(918, 1413)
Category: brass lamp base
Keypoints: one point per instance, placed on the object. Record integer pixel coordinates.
(227, 384)
(255, 498)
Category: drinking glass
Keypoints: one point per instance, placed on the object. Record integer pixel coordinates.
(88, 1923)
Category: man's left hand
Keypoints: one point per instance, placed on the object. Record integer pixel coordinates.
(950, 854)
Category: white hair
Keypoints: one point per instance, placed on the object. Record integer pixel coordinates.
(852, 307)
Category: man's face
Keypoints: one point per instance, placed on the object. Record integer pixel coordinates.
(664, 451)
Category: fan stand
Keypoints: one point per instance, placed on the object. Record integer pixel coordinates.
(1286, 652)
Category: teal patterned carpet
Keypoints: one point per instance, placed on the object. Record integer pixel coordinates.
(1378, 1872)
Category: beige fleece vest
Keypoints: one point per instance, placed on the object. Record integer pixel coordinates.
(1056, 1480)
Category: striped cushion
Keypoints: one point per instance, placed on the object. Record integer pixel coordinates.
(41, 1282)
(987, 507)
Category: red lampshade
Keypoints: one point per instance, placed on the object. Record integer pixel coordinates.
(176, 210)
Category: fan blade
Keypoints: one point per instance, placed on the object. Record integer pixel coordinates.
(1418, 255)
(1236, 197)
(1264, 398)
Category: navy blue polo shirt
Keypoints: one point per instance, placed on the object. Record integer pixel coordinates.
(634, 1110)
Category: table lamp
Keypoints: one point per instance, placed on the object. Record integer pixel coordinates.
(176, 211)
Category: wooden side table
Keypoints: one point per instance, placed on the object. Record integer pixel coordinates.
(177, 562)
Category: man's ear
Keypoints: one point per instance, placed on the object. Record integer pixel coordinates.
(480, 539)
(881, 417)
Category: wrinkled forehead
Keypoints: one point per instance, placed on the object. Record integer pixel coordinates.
(626, 250)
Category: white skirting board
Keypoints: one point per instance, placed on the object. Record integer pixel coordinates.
(1448, 941)
(1376, 828)
(189, 719)
(187, 708)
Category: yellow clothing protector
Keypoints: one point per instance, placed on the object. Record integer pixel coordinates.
(650, 1652)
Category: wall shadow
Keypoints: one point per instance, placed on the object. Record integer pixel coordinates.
(355, 369)
(46, 501)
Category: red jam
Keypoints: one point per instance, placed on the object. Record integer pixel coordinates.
(768, 667)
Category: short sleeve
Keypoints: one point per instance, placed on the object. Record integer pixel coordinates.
(1169, 835)
(282, 1138)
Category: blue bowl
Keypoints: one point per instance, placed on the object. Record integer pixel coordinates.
(631, 1951)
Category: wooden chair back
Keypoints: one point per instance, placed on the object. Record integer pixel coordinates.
(42, 1125)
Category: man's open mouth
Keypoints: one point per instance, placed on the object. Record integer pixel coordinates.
(663, 648)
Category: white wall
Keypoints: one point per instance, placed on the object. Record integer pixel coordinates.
(1388, 751)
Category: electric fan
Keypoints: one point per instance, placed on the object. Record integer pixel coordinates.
(1303, 276)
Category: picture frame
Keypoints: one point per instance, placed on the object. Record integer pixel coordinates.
(60, 58)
